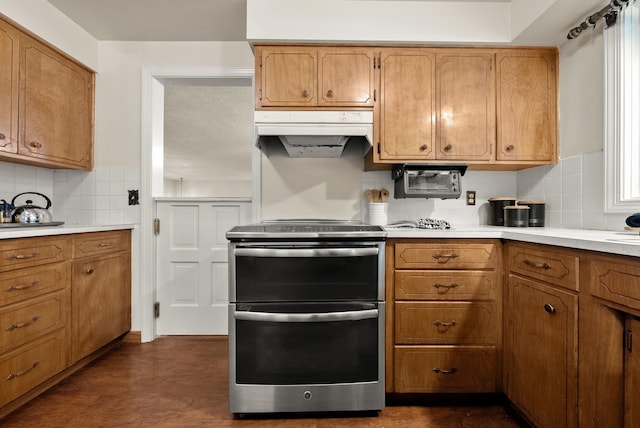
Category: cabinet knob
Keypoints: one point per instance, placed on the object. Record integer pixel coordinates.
(35, 145)
(510, 147)
(549, 308)
(89, 271)
(305, 93)
(330, 93)
(424, 147)
(448, 148)
(2, 136)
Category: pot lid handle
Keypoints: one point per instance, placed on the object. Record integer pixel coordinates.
(28, 202)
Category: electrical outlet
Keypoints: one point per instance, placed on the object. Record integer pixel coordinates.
(471, 197)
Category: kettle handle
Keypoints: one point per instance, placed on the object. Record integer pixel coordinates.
(32, 193)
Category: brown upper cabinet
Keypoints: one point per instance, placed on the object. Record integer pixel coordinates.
(299, 77)
(46, 104)
(527, 105)
(493, 108)
(436, 104)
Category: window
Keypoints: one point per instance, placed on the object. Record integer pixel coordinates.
(622, 112)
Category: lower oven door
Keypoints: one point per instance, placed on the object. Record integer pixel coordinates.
(295, 357)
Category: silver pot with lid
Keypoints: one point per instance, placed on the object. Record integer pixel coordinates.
(30, 213)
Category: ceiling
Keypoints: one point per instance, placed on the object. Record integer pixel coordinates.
(158, 20)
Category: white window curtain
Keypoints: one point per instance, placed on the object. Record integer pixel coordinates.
(622, 112)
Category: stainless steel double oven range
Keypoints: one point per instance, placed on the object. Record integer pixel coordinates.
(306, 317)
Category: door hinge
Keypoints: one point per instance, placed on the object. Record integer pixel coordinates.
(629, 340)
(156, 226)
(156, 310)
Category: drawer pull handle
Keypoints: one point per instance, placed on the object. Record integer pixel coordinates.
(35, 144)
(12, 376)
(545, 266)
(452, 370)
(89, 271)
(448, 287)
(21, 287)
(549, 308)
(22, 256)
(103, 245)
(439, 323)
(445, 256)
(23, 324)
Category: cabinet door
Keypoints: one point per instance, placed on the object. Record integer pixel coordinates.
(346, 77)
(101, 301)
(632, 374)
(9, 56)
(527, 105)
(465, 105)
(56, 108)
(541, 348)
(407, 104)
(289, 77)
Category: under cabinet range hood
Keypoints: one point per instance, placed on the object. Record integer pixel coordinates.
(314, 134)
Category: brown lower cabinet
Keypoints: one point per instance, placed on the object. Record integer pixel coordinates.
(62, 299)
(101, 292)
(550, 327)
(444, 325)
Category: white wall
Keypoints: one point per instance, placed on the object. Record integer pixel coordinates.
(378, 21)
(573, 189)
(455, 211)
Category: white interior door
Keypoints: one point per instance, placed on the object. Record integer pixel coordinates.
(192, 265)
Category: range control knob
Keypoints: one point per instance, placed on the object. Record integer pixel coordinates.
(307, 395)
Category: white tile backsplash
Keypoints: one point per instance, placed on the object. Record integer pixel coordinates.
(97, 197)
(573, 192)
(572, 189)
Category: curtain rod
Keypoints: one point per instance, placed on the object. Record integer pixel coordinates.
(609, 13)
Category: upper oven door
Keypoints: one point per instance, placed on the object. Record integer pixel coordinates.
(306, 272)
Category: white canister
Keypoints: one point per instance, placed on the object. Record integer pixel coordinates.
(378, 213)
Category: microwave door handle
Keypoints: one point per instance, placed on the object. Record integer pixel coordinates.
(306, 252)
(312, 317)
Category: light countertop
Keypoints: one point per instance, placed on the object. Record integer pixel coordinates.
(30, 231)
(616, 242)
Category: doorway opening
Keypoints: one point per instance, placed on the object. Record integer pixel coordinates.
(181, 84)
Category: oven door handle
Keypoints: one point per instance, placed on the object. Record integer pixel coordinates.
(312, 317)
(306, 252)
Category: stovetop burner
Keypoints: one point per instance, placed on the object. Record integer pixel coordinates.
(306, 228)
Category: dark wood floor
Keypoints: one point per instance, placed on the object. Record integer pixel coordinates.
(181, 381)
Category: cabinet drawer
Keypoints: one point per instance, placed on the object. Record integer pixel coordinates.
(445, 369)
(90, 244)
(445, 285)
(31, 365)
(445, 323)
(24, 322)
(617, 281)
(18, 254)
(435, 255)
(32, 282)
(547, 264)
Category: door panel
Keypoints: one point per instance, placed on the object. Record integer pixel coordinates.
(192, 273)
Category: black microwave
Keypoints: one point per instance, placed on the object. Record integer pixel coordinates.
(428, 181)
